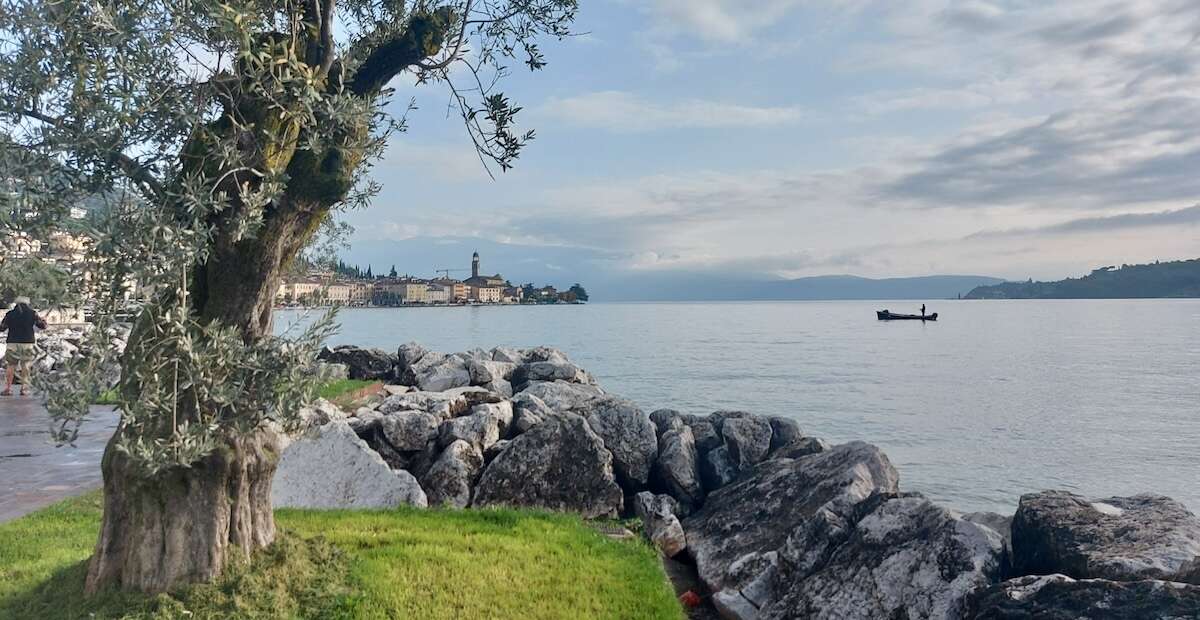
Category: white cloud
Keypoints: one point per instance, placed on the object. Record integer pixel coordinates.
(1062, 52)
(626, 112)
(444, 162)
(719, 20)
(1072, 144)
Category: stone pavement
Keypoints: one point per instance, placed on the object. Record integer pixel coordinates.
(33, 472)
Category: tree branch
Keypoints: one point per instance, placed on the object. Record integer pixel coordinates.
(320, 53)
(458, 43)
(129, 166)
(424, 37)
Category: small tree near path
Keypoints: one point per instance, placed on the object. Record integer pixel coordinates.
(219, 136)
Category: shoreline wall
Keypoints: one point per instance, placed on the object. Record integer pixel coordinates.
(778, 524)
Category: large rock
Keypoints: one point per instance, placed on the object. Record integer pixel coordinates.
(560, 464)
(449, 480)
(759, 512)
(660, 523)
(330, 467)
(544, 354)
(907, 558)
(562, 396)
(553, 371)
(364, 364)
(481, 429)
(1058, 597)
(784, 432)
(717, 469)
(748, 440)
(499, 387)
(330, 371)
(628, 434)
(704, 429)
(502, 412)
(508, 355)
(446, 374)
(408, 356)
(484, 372)
(319, 413)
(666, 420)
(443, 405)
(529, 411)
(409, 430)
(365, 420)
(733, 605)
(677, 472)
(1119, 538)
(802, 448)
(1001, 524)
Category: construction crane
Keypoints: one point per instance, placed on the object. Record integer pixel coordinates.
(446, 272)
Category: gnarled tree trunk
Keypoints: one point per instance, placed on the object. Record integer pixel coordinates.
(184, 525)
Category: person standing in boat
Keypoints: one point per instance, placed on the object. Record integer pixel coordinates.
(922, 309)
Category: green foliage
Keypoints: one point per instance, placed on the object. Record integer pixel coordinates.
(429, 564)
(47, 285)
(217, 138)
(208, 381)
(580, 292)
(1171, 279)
(83, 379)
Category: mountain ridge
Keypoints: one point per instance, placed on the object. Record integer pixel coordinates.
(1173, 279)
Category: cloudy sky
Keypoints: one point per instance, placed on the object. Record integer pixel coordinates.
(786, 138)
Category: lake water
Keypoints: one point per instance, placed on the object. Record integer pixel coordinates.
(994, 400)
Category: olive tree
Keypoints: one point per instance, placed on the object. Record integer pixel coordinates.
(220, 135)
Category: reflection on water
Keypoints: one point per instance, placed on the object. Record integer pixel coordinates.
(994, 400)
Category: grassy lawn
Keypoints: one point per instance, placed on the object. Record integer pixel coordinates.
(427, 564)
(342, 389)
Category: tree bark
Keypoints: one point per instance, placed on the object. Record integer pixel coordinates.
(187, 524)
(184, 525)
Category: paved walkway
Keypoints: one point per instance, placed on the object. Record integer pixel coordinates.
(33, 472)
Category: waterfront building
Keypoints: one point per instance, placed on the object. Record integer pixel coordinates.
(399, 291)
(437, 294)
(302, 291)
(412, 291)
(456, 290)
(478, 281)
(486, 294)
(337, 293)
(361, 293)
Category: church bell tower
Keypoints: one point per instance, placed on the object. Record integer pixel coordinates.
(475, 265)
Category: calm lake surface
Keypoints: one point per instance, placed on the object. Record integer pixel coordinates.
(994, 400)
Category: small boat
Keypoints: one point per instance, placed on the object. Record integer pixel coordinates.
(884, 315)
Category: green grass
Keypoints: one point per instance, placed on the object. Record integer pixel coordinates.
(335, 389)
(107, 397)
(428, 564)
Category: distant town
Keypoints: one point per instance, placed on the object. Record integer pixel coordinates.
(344, 285)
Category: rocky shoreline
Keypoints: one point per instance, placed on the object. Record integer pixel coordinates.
(777, 524)
(58, 344)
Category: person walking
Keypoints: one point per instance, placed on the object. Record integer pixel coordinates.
(21, 323)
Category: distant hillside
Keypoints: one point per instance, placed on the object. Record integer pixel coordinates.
(696, 287)
(853, 287)
(1174, 279)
